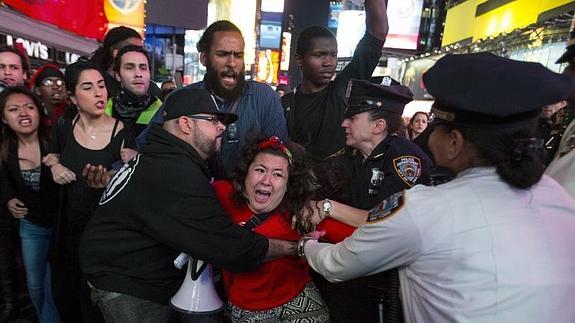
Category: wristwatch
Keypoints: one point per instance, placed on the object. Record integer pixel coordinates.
(327, 207)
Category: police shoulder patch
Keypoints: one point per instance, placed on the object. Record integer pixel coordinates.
(386, 208)
(408, 168)
(120, 180)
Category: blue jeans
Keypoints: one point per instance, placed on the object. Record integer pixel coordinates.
(35, 243)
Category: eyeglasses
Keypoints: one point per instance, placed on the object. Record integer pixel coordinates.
(51, 82)
(214, 119)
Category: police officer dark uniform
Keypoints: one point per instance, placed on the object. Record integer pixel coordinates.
(375, 164)
(495, 244)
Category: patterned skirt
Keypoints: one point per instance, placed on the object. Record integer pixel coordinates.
(307, 306)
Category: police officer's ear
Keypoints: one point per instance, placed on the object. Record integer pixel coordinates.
(457, 148)
(379, 126)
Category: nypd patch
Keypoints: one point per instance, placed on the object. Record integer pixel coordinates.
(408, 168)
(386, 208)
(120, 180)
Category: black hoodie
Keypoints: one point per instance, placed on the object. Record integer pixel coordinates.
(158, 205)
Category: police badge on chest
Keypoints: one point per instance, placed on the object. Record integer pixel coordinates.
(375, 181)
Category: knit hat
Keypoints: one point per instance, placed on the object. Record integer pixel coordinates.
(46, 71)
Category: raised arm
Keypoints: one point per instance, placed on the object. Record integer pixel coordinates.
(376, 18)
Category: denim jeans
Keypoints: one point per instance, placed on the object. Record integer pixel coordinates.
(35, 241)
(122, 308)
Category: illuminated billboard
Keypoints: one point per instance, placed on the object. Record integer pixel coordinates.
(334, 9)
(272, 6)
(404, 21)
(271, 30)
(351, 27)
(285, 52)
(267, 66)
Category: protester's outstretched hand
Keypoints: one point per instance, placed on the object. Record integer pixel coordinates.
(97, 176)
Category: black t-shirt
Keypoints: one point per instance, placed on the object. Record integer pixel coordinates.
(81, 200)
(314, 120)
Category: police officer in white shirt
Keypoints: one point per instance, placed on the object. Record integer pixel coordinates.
(495, 244)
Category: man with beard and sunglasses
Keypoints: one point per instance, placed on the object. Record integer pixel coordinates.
(257, 105)
(315, 109)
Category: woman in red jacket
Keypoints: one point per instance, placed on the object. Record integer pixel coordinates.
(272, 184)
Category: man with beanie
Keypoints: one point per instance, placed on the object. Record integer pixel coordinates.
(48, 85)
(160, 204)
(115, 39)
(134, 105)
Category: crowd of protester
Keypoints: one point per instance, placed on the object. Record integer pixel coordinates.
(318, 203)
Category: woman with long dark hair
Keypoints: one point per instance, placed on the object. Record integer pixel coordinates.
(91, 138)
(28, 191)
(272, 185)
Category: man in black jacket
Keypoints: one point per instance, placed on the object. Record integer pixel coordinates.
(161, 204)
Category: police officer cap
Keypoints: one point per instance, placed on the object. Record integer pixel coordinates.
(365, 96)
(187, 102)
(485, 89)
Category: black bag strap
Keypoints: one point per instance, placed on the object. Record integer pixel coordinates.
(256, 220)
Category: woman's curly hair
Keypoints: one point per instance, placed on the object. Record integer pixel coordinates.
(300, 185)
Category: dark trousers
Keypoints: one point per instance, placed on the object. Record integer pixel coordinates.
(70, 288)
(369, 299)
(123, 308)
(9, 307)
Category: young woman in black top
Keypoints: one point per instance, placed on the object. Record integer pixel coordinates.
(91, 138)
